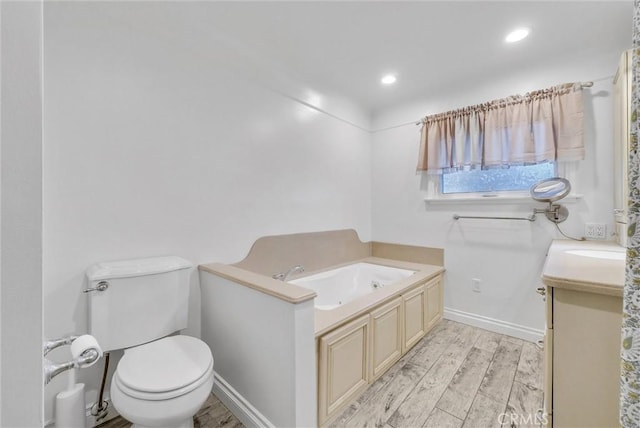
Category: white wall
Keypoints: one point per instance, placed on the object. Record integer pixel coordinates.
(506, 255)
(157, 145)
(21, 214)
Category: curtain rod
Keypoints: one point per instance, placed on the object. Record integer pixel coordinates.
(582, 85)
(419, 122)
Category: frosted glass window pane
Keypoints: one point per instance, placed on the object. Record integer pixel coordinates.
(520, 177)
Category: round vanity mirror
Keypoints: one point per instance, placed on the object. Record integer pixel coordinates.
(550, 189)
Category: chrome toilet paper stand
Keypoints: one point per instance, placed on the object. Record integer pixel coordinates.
(52, 369)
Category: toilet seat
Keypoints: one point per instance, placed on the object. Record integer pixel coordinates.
(164, 369)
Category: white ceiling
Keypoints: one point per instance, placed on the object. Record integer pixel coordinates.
(346, 47)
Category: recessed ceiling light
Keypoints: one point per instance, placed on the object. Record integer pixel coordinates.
(517, 35)
(389, 79)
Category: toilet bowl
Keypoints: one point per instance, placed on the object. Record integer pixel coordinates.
(163, 383)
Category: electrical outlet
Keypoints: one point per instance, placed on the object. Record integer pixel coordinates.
(475, 284)
(595, 230)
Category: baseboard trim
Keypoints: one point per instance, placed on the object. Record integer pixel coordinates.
(495, 325)
(239, 406)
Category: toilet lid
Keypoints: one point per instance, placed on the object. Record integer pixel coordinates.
(164, 365)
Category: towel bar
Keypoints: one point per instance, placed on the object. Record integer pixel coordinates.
(532, 217)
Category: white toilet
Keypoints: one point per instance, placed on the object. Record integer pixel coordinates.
(135, 305)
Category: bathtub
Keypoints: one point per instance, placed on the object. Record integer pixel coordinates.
(342, 285)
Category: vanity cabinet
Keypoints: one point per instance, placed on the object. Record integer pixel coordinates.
(343, 370)
(621, 130)
(582, 356)
(582, 341)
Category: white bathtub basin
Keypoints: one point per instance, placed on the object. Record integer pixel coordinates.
(338, 286)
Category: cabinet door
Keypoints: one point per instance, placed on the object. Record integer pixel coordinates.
(586, 359)
(386, 336)
(434, 302)
(343, 367)
(414, 316)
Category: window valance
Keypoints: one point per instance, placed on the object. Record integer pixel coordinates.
(540, 126)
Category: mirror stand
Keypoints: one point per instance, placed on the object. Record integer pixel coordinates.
(554, 212)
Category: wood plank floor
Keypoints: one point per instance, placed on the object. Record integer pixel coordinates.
(457, 376)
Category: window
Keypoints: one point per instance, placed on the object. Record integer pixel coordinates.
(510, 178)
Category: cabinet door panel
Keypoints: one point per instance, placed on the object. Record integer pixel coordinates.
(386, 336)
(344, 366)
(414, 316)
(434, 302)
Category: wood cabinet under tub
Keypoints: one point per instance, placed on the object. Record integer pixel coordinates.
(354, 355)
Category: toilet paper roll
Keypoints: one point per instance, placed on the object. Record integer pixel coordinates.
(82, 344)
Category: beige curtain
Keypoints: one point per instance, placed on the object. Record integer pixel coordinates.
(540, 126)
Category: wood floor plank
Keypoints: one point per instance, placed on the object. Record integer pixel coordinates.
(485, 412)
(501, 372)
(441, 419)
(524, 403)
(436, 344)
(417, 407)
(117, 422)
(460, 393)
(226, 420)
(488, 341)
(346, 415)
(513, 340)
(376, 411)
(530, 368)
(462, 342)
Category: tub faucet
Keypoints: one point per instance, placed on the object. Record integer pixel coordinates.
(283, 276)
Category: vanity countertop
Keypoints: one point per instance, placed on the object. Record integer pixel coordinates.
(591, 266)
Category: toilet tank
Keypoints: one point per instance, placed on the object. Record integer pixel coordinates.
(144, 300)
